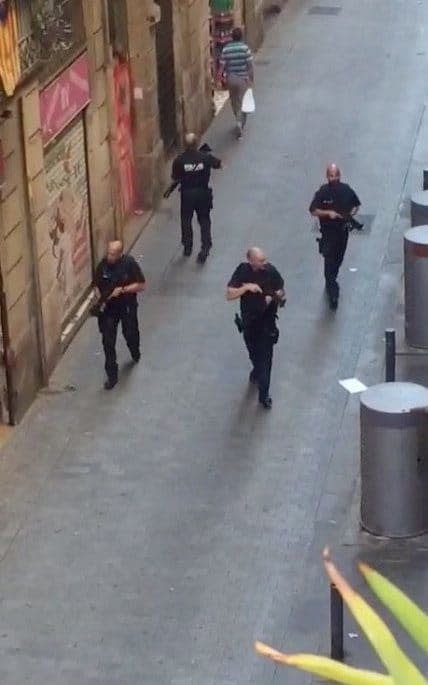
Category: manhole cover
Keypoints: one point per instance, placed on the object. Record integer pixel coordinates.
(324, 9)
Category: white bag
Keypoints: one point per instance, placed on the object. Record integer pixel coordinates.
(248, 104)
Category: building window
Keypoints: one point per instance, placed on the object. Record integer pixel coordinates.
(49, 33)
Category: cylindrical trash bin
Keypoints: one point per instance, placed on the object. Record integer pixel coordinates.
(419, 208)
(394, 459)
(416, 286)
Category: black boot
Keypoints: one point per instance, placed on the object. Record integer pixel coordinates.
(333, 302)
(110, 383)
(253, 378)
(202, 256)
(266, 402)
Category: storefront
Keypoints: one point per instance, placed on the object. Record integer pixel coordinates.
(69, 257)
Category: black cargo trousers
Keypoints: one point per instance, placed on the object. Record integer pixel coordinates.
(108, 323)
(333, 247)
(199, 200)
(260, 338)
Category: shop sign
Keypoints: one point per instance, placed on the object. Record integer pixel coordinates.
(69, 233)
(64, 98)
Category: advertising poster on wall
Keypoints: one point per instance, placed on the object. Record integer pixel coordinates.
(69, 231)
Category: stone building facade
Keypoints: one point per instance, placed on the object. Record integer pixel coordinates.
(253, 22)
(56, 205)
(88, 121)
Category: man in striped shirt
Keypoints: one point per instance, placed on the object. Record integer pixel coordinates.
(237, 67)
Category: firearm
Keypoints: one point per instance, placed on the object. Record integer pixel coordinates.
(352, 224)
(278, 299)
(174, 184)
(99, 306)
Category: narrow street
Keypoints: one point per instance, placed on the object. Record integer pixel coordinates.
(150, 534)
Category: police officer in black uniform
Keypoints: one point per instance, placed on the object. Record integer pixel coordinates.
(118, 279)
(260, 288)
(192, 169)
(334, 204)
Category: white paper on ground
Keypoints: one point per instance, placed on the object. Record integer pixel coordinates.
(353, 385)
(248, 104)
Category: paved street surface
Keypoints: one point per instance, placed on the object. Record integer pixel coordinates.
(149, 535)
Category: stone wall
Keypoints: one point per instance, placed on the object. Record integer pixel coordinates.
(192, 58)
(97, 119)
(253, 17)
(16, 256)
(238, 10)
(99, 179)
(29, 273)
(148, 147)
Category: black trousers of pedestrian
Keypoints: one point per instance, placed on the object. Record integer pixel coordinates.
(333, 250)
(259, 343)
(108, 324)
(197, 200)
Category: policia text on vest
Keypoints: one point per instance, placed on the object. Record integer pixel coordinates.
(192, 170)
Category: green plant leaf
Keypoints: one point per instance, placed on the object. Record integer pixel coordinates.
(325, 668)
(407, 613)
(398, 665)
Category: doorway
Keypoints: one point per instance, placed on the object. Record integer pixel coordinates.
(166, 74)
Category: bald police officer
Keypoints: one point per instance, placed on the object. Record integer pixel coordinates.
(118, 280)
(192, 169)
(334, 204)
(260, 288)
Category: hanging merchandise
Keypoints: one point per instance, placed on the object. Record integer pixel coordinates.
(222, 20)
(221, 5)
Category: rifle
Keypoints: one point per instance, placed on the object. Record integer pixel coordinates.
(174, 184)
(99, 306)
(353, 225)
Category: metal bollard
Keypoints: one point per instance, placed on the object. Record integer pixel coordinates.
(425, 179)
(336, 624)
(390, 353)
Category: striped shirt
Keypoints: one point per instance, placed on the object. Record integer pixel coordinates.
(236, 59)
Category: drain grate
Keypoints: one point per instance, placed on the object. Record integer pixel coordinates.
(324, 10)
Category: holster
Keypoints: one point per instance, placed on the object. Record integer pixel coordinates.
(210, 198)
(321, 245)
(273, 332)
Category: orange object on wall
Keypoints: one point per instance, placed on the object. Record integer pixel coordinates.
(10, 68)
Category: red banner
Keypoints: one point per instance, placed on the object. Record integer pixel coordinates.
(64, 98)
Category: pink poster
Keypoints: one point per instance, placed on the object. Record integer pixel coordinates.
(64, 98)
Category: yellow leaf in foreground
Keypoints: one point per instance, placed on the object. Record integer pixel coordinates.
(402, 670)
(325, 668)
(411, 617)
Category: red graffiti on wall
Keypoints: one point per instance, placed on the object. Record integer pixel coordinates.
(123, 137)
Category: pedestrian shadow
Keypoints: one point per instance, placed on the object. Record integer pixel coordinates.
(125, 371)
(242, 433)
